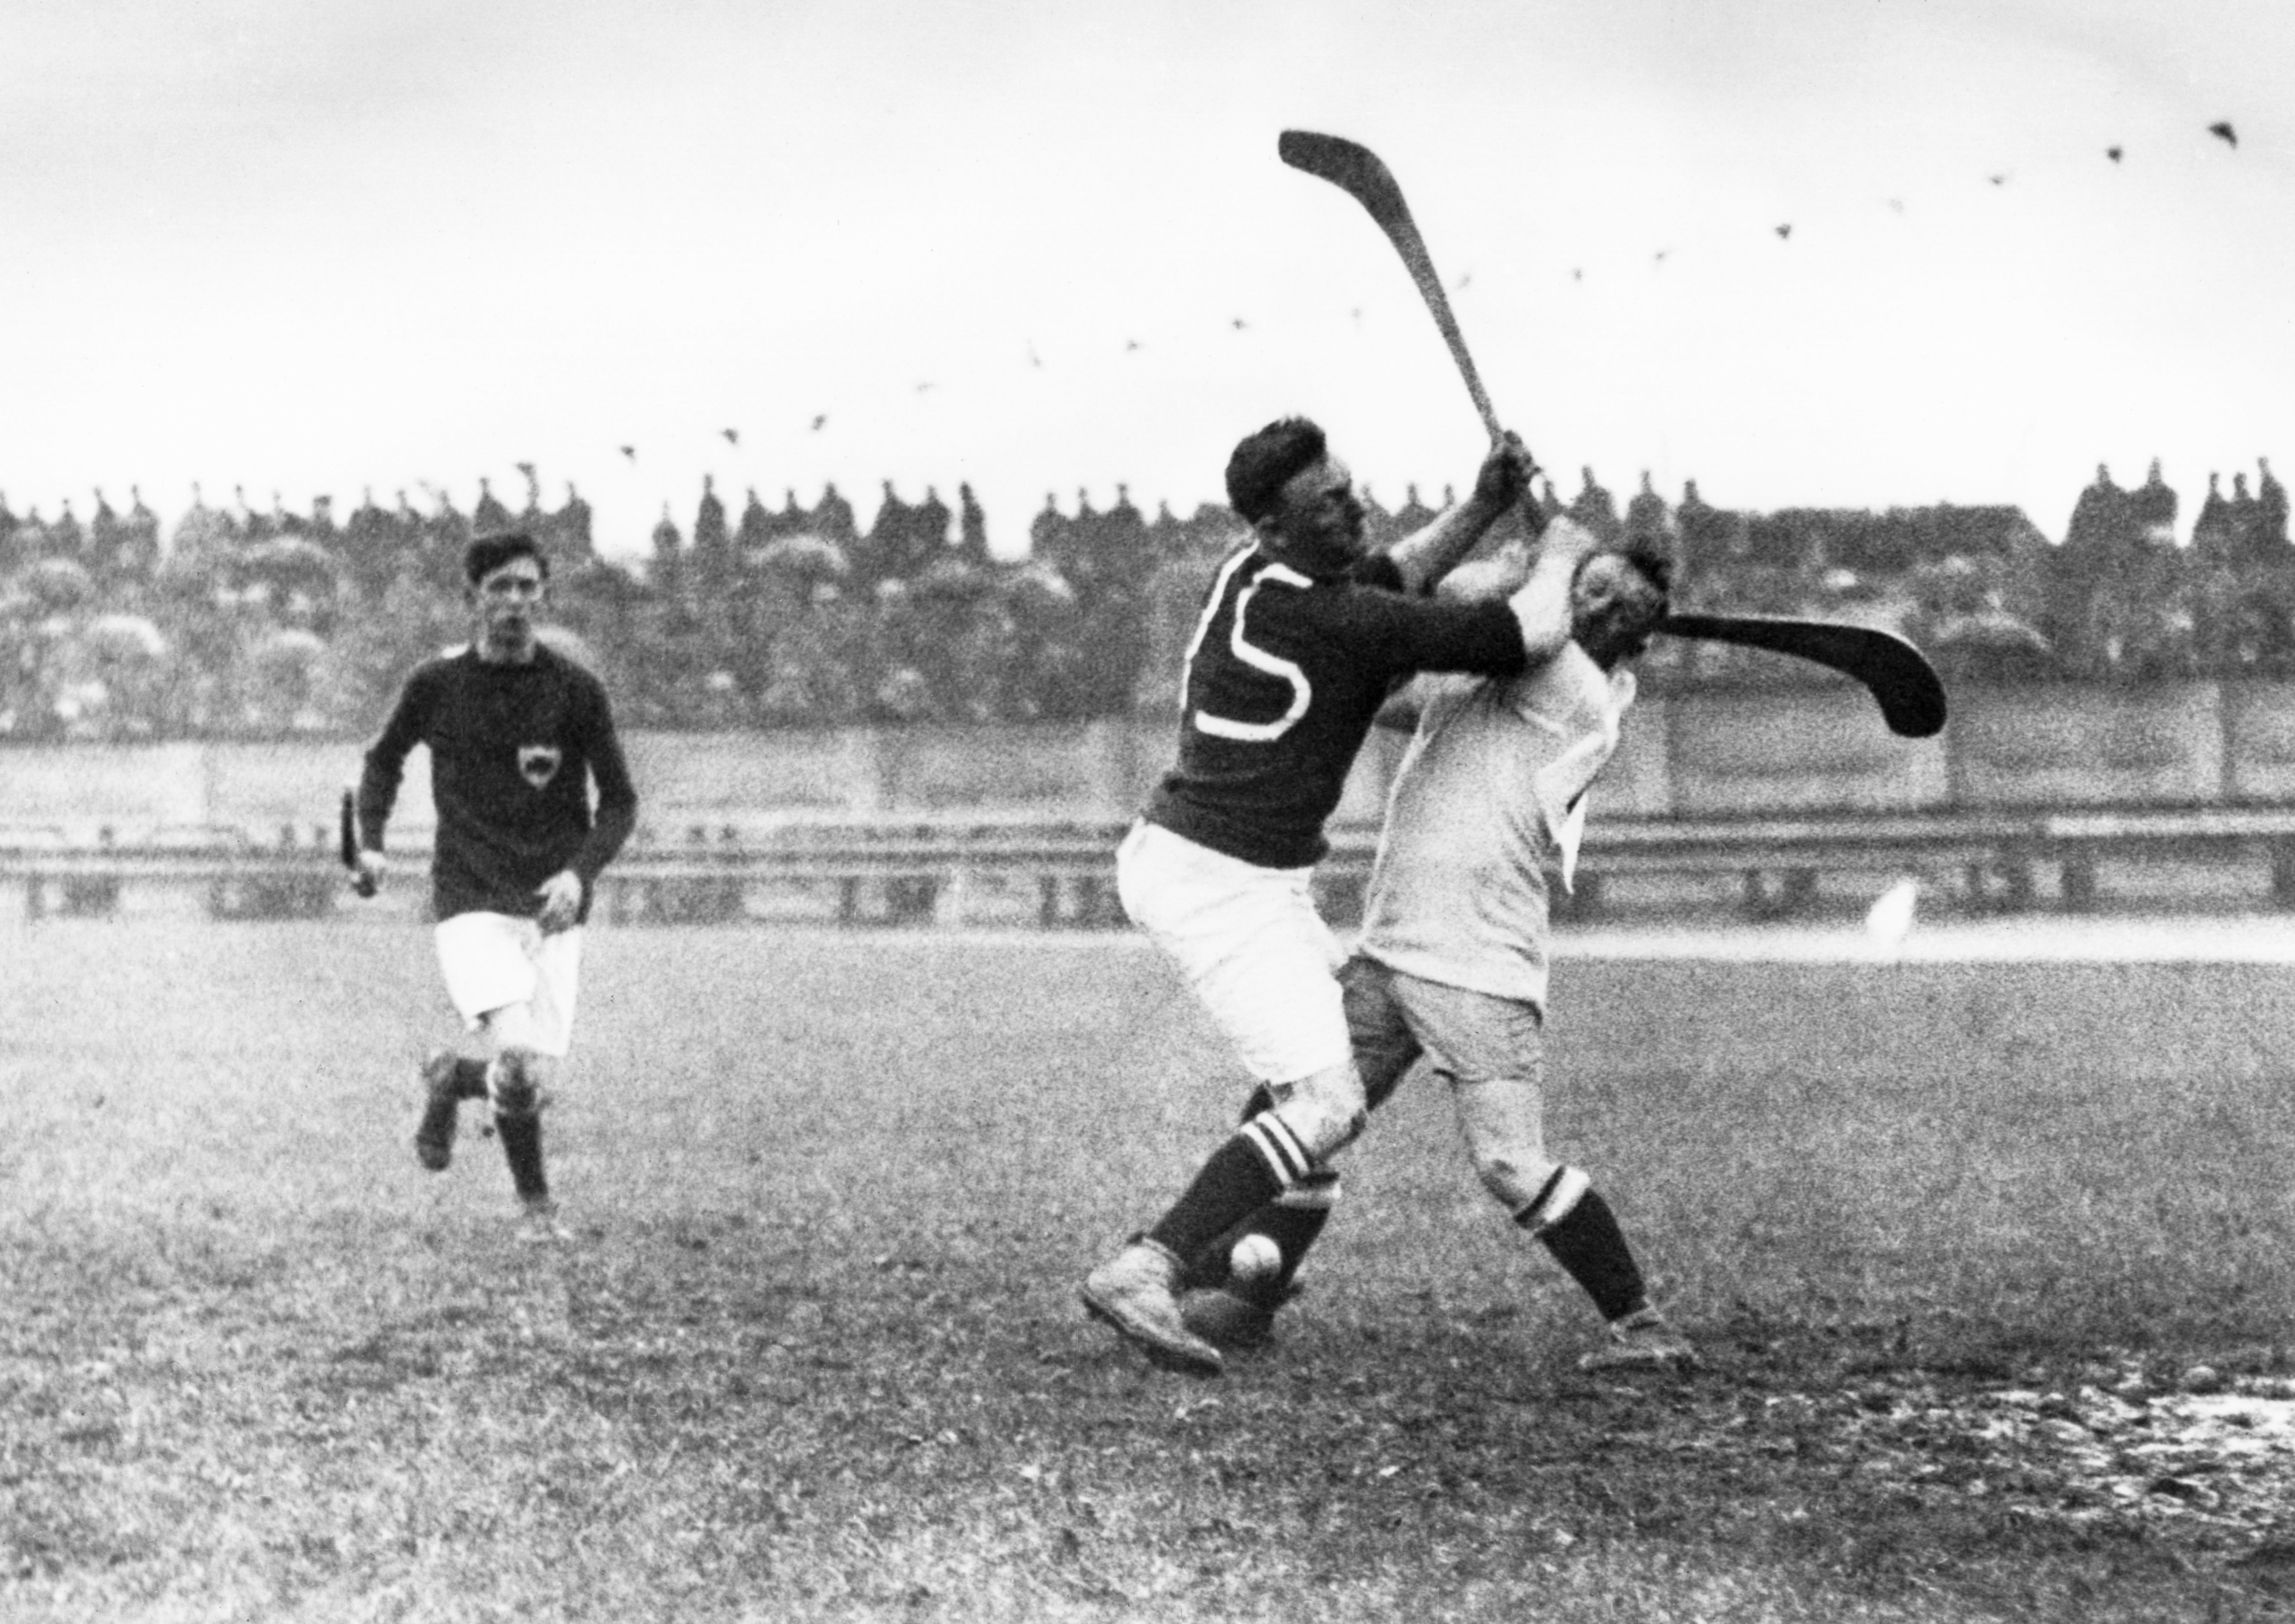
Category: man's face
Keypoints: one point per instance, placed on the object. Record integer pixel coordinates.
(1613, 609)
(506, 599)
(1319, 517)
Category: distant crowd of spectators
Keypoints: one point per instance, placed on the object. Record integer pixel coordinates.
(241, 622)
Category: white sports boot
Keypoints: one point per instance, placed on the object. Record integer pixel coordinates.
(1134, 1292)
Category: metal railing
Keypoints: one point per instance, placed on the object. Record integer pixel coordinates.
(1060, 874)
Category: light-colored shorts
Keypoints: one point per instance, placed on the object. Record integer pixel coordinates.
(1393, 1018)
(1249, 942)
(493, 961)
(1490, 1050)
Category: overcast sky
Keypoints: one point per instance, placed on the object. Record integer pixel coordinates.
(310, 248)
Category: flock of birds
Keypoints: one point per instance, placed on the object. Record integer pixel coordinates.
(2222, 130)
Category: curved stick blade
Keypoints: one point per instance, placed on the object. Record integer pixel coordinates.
(1900, 676)
(1353, 168)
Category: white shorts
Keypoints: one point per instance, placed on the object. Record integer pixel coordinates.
(1251, 944)
(493, 961)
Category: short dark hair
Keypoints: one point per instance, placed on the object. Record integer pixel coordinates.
(1264, 461)
(1654, 558)
(489, 553)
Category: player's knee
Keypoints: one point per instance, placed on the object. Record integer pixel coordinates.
(1513, 1175)
(1553, 1200)
(1325, 1111)
(515, 1081)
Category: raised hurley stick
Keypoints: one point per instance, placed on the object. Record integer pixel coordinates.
(1356, 170)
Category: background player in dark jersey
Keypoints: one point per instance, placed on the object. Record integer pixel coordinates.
(517, 734)
(1303, 634)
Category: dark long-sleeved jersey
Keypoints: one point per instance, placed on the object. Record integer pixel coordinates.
(513, 750)
(1285, 675)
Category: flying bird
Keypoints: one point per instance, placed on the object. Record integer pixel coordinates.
(1577, 273)
(1033, 358)
(1997, 180)
(1463, 283)
(923, 387)
(2230, 135)
(1130, 344)
(1897, 204)
(1784, 232)
(1661, 253)
(2113, 153)
(819, 420)
(732, 436)
(631, 452)
(1238, 323)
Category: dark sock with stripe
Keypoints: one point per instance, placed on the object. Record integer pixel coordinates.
(1291, 1223)
(1587, 1243)
(1293, 1228)
(1294, 1220)
(470, 1079)
(521, 1143)
(1231, 1186)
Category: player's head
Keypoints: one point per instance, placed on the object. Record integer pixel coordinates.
(489, 553)
(1617, 599)
(1299, 498)
(506, 575)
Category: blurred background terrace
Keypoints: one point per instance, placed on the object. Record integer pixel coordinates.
(234, 620)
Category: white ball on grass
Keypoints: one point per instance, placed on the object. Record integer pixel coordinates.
(1254, 1257)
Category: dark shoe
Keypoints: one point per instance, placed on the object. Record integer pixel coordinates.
(538, 1225)
(1226, 1320)
(1643, 1340)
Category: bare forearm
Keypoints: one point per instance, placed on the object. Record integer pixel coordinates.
(1542, 607)
(1542, 603)
(1427, 554)
(1501, 482)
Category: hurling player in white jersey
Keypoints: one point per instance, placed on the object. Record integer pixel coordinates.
(1451, 964)
(1304, 634)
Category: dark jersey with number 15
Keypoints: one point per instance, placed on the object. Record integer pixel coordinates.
(1284, 677)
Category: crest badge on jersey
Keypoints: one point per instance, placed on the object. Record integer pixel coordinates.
(537, 765)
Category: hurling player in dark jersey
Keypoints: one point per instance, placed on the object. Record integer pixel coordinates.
(1303, 634)
(517, 733)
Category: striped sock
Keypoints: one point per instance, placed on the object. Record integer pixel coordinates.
(1581, 1232)
(1258, 1163)
(1296, 1219)
(1293, 1220)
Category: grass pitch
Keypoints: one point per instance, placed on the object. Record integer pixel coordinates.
(815, 1352)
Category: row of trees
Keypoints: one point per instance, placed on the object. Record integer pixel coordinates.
(241, 622)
